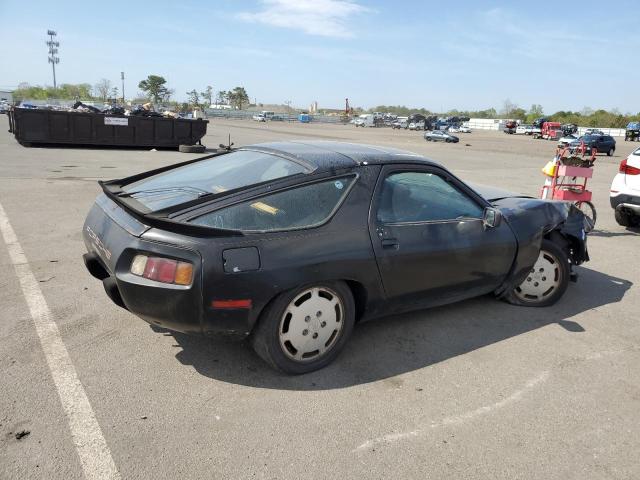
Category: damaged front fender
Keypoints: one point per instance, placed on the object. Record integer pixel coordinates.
(532, 220)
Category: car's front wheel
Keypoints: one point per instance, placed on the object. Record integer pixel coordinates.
(304, 329)
(547, 281)
(610, 152)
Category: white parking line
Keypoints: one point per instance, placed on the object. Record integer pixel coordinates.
(91, 446)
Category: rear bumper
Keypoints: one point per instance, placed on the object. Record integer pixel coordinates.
(113, 238)
(167, 308)
(626, 201)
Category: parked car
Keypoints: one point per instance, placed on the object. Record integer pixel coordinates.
(400, 123)
(259, 117)
(533, 130)
(593, 131)
(602, 144)
(440, 136)
(625, 191)
(521, 129)
(4, 107)
(464, 129)
(453, 129)
(291, 243)
(566, 140)
(419, 125)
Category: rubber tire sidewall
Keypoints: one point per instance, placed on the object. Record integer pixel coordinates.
(623, 219)
(563, 260)
(191, 148)
(265, 337)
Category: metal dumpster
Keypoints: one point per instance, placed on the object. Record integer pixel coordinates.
(39, 126)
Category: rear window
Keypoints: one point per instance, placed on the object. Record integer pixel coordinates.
(237, 169)
(305, 206)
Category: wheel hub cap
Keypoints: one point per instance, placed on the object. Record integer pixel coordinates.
(542, 280)
(311, 324)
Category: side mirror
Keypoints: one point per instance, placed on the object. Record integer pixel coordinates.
(491, 217)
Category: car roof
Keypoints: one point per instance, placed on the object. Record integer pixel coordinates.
(325, 155)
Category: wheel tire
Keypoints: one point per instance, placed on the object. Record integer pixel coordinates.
(428, 139)
(610, 152)
(551, 256)
(191, 148)
(589, 211)
(624, 219)
(268, 336)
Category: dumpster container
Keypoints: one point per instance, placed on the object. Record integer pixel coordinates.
(39, 126)
(304, 118)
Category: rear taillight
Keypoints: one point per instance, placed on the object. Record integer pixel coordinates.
(165, 270)
(628, 169)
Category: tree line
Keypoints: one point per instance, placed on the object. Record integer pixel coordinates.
(153, 88)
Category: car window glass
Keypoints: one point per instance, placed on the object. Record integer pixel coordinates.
(215, 175)
(423, 197)
(298, 207)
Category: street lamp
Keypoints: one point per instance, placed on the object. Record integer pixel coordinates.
(122, 78)
(53, 50)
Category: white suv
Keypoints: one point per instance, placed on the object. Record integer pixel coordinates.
(625, 191)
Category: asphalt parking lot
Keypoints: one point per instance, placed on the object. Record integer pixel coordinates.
(479, 389)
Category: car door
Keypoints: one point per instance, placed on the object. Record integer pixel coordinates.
(429, 239)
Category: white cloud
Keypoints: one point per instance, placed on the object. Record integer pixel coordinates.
(326, 18)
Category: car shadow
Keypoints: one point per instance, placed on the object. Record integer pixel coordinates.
(627, 232)
(398, 344)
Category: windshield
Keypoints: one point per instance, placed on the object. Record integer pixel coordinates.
(216, 175)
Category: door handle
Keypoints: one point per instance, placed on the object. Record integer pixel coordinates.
(390, 243)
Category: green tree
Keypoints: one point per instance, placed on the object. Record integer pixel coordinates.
(208, 95)
(238, 97)
(194, 98)
(155, 88)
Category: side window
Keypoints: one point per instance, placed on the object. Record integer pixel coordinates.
(423, 197)
(297, 207)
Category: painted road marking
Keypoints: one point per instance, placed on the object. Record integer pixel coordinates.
(91, 446)
(456, 419)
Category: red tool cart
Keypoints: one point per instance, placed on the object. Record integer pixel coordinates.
(567, 177)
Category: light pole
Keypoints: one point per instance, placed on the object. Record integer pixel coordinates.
(122, 78)
(288, 104)
(53, 50)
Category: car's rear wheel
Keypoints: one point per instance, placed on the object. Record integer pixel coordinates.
(304, 329)
(626, 219)
(547, 281)
(610, 152)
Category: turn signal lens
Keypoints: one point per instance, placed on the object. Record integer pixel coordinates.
(165, 270)
(184, 273)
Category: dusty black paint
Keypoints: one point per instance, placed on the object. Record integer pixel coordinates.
(433, 264)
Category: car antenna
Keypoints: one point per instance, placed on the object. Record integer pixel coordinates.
(228, 146)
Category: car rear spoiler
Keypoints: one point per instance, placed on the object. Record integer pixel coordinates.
(160, 220)
(112, 188)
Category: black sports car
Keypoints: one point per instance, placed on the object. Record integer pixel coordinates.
(291, 243)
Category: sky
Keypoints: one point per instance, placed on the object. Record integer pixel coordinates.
(438, 55)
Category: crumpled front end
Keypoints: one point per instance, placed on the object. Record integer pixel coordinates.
(532, 220)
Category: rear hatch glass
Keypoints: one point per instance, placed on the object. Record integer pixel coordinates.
(238, 169)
